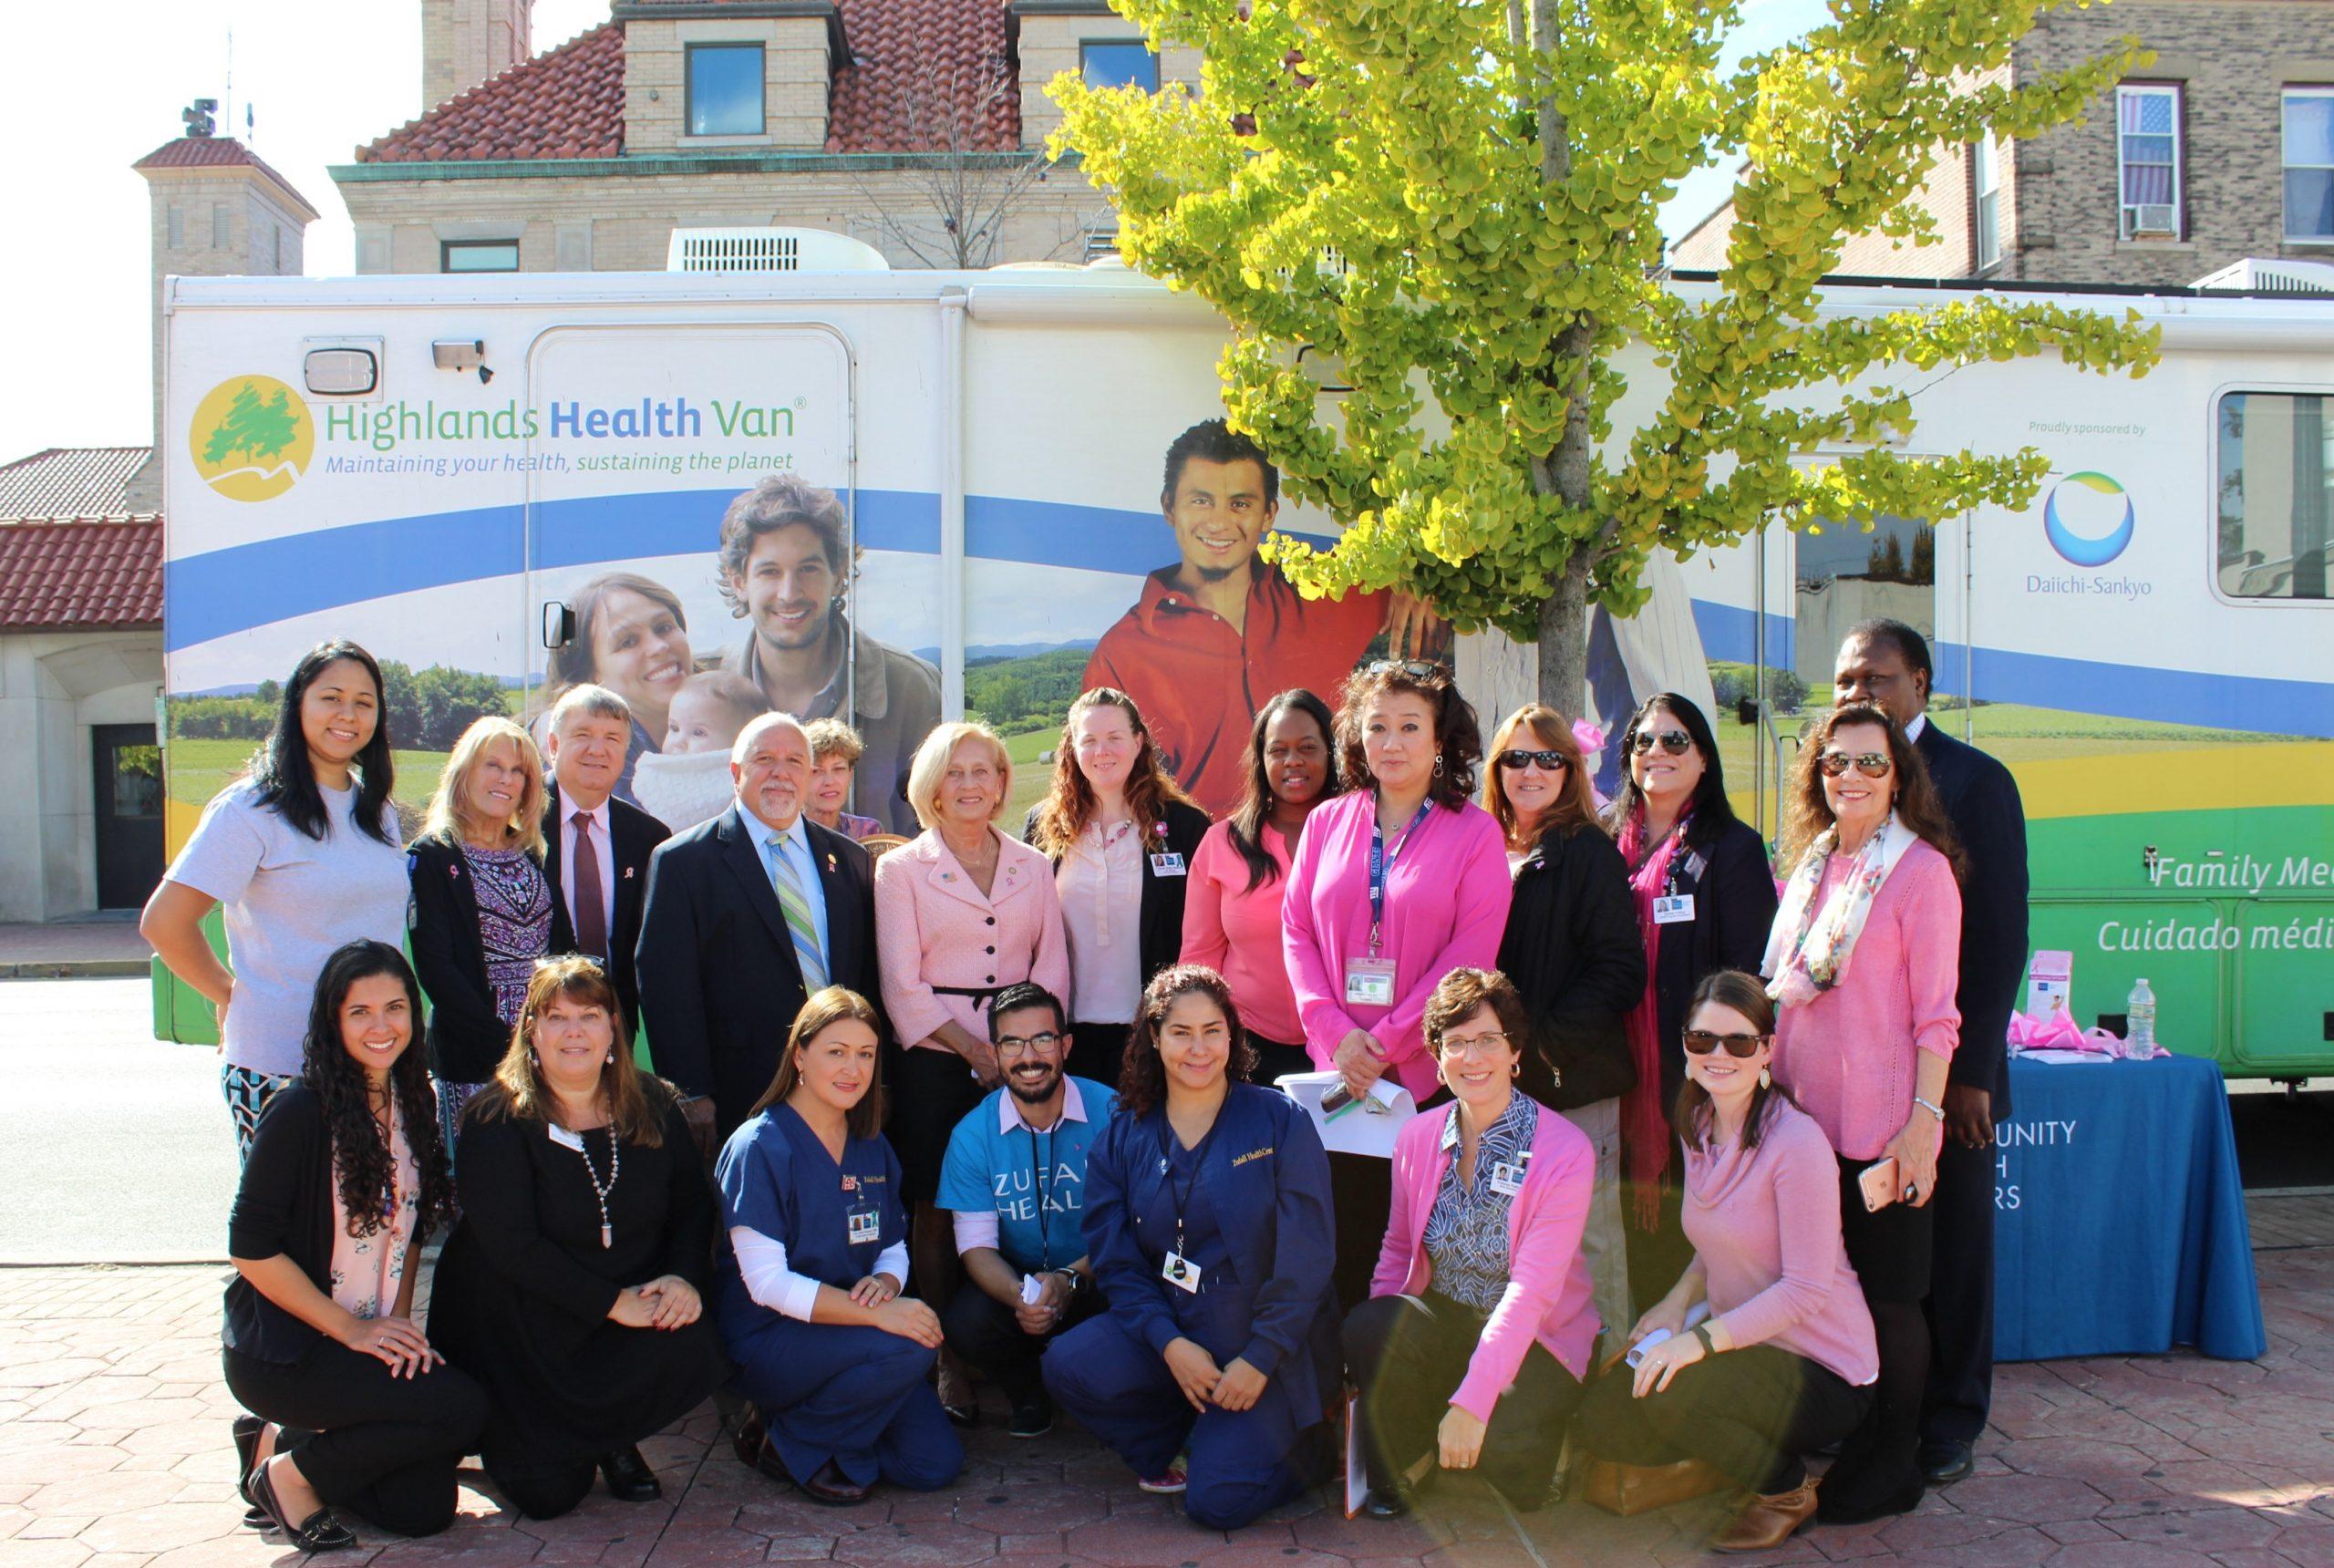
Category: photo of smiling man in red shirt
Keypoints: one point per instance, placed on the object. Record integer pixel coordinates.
(1220, 631)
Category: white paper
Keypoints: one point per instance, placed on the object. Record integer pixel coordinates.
(1362, 1127)
(2065, 1058)
(1032, 1291)
(1698, 1313)
(1356, 1475)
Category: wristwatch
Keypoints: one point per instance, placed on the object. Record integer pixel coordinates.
(1075, 1281)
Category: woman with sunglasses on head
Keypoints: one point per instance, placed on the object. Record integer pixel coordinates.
(1394, 884)
(1864, 962)
(1232, 911)
(1572, 949)
(1781, 1361)
(1705, 901)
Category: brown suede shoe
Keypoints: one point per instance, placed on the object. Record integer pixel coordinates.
(1766, 1522)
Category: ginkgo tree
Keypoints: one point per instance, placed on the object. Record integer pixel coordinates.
(1457, 204)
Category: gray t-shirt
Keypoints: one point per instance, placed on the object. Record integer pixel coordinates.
(288, 901)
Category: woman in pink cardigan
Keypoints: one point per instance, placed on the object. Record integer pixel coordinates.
(962, 911)
(1365, 951)
(1479, 1328)
(1864, 962)
(1782, 1361)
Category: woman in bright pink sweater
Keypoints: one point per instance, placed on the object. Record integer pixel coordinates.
(1785, 1362)
(1863, 961)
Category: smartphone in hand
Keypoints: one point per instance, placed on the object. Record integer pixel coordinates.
(1880, 1185)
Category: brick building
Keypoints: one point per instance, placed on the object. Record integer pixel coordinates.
(2221, 150)
(915, 126)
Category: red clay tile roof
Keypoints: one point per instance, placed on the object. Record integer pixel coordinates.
(217, 152)
(918, 68)
(69, 481)
(567, 103)
(87, 575)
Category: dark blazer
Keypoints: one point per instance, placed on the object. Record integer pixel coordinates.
(466, 1037)
(637, 835)
(1982, 798)
(719, 985)
(1734, 910)
(1572, 948)
(1162, 897)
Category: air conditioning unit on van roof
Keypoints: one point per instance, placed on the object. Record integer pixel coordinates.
(2282, 277)
(770, 251)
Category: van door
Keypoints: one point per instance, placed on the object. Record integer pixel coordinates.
(644, 435)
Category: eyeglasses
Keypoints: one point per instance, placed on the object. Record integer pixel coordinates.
(1676, 742)
(1701, 1043)
(1472, 1044)
(1870, 764)
(1549, 761)
(1416, 669)
(1020, 1044)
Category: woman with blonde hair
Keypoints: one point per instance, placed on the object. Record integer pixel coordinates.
(1572, 950)
(571, 1287)
(483, 910)
(1121, 835)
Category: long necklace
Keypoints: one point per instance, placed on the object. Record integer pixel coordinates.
(615, 1167)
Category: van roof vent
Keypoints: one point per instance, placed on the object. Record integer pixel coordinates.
(2272, 277)
(770, 251)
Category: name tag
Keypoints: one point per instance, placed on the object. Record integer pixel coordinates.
(1167, 863)
(1179, 1272)
(1370, 982)
(1674, 910)
(866, 1226)
(1507, 1179)
(565, 1139)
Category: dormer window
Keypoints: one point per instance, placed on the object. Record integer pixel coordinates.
(725, 90)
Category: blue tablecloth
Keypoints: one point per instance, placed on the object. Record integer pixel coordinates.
(2119, 1218)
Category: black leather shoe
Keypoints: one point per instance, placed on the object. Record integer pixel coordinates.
(833, 1488)
(1034, 1419)
(247, 1429)
(1945, 1461)
(629, 1478)
(320, 1532)
(1385, 1502)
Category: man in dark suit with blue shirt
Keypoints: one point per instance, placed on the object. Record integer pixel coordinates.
(747, 915)
(1888, 661)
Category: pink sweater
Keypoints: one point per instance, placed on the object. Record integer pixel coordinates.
(1848, 1055)
(1766, 1229)
(1547, 1297)
(1446, 906)
(1236, 932)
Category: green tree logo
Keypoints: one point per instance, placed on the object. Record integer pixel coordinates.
(252, 438)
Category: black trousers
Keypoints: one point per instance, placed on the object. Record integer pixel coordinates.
(1753, 1413)
(1960, 1392)
(1407, 1356)
(1362, 1193)
(544, 1491)
(1890, 1250)
(1097, 1051)
(381, 1446)
(984, 1331)
(1276, 1059)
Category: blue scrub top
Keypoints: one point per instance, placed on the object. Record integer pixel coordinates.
(776, 1177)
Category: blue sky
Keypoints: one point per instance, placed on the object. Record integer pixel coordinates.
(320, 75)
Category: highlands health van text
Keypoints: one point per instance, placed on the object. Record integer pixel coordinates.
(388, 426)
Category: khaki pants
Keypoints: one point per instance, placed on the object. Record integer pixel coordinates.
(1603, 1243)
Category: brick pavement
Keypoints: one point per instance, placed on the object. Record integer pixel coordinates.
(114, 1453)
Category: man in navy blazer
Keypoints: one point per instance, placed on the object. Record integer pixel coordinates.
(724, 965)
(1888, 661)
(585, 737)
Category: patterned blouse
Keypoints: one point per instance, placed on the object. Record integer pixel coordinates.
(367, 1272)
(514, 921)
(1466, 1230)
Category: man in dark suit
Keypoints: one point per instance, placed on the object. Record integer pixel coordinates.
(748, 914)
(596, 846)
(1888, 661)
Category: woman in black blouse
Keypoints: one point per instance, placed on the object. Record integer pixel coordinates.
(571, 1287)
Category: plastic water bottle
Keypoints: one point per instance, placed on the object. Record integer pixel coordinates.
(2139, 1041)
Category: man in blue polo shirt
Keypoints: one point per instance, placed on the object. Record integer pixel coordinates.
(1014, 1181)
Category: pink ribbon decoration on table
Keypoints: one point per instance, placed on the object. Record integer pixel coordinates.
(2059, 1033)
(1590, 739)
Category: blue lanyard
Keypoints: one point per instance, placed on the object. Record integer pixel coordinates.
(1380, 861)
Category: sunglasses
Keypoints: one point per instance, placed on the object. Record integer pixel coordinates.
(1676, 742)
(1701, 1043)
(1551, 761)
(1416, 669)
(1870, 764)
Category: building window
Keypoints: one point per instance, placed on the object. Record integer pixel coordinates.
(2276, 490)
(2309, 163)
(725, 90)
(1987, 185)
(478, 256)
(1119, 63)
(2147, 158)
(275, 240)
(174, 228)
(217, 228)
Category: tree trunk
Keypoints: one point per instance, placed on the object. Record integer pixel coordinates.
(1565, 472)
(1563, 640)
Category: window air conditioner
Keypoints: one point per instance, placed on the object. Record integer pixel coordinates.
(2151, 217)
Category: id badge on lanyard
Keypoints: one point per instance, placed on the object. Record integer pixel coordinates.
(865, 1227)
(1370, 982)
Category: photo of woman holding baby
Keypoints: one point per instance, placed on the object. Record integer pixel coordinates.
(632, 637)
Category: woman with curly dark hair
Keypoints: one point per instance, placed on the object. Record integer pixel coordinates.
(351, 1407)
(1207, 1219)
(1121, 835)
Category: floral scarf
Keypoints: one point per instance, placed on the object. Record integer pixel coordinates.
(1809, 948)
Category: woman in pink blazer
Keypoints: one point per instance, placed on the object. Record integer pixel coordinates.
(962, 912)
(1478, 1331)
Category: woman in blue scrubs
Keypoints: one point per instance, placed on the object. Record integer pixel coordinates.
(834, 1357)
(1208, 1219)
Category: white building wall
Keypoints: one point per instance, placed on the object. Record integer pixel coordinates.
(55, 687)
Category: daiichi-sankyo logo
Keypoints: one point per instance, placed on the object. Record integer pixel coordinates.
(2088, 518)
(252, 438)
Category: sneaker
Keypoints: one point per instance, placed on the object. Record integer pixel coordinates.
(1167, 1483)
(1033, 1420)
